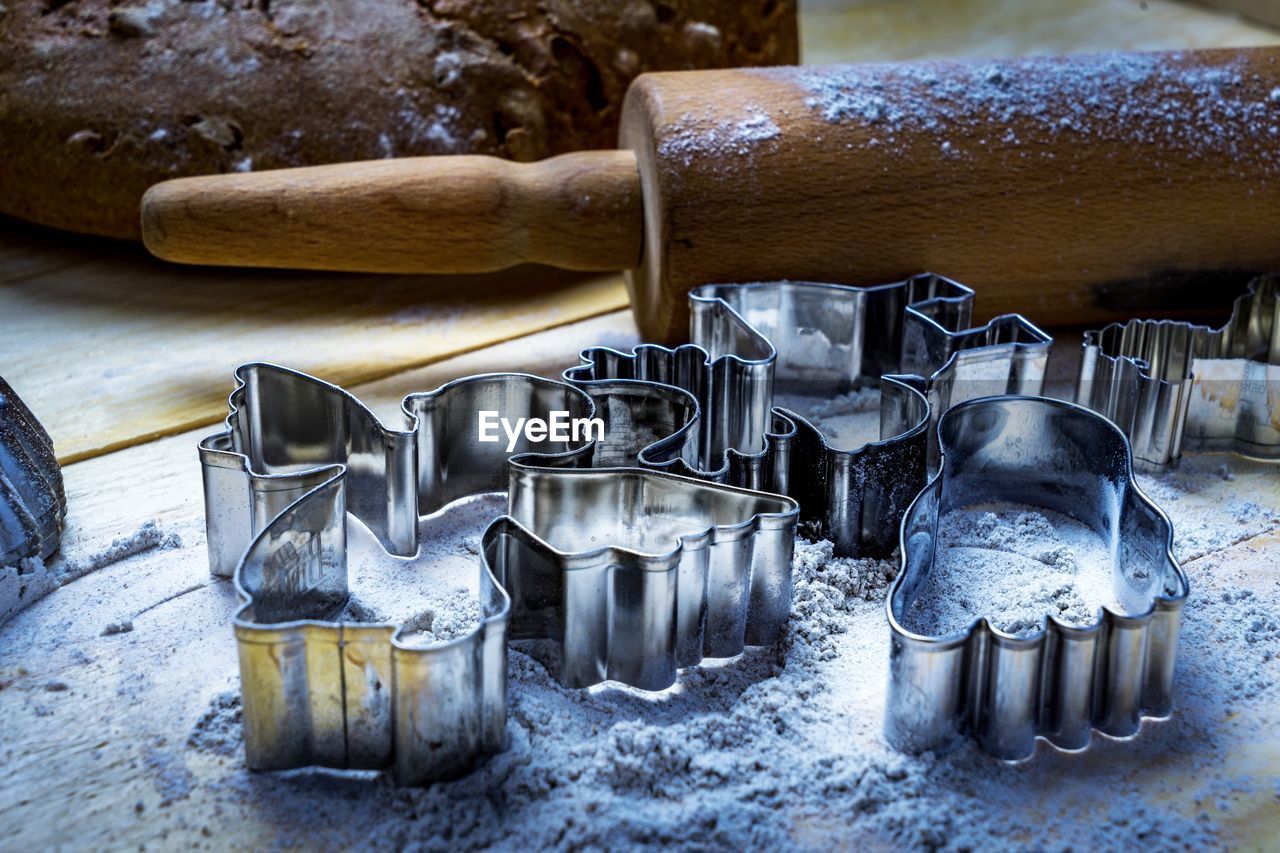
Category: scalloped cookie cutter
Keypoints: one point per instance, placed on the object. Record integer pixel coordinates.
(1061, 682)
(688, 569)
(1174, 386)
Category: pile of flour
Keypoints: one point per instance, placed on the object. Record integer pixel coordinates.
(1014, 566)
(782, 747)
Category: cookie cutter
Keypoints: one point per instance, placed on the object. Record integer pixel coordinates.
(33, 503)
(299, 453)
(753, 342)
(1062, 681)
(688, 569)
(1173, 386)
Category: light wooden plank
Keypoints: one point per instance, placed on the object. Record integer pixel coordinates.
(883, 30)
(109, 496)
(111, 348)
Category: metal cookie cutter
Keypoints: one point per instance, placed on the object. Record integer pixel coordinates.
(1173, 386)
(1062, 681)
(630, 573)
(753, 343)
(33, 504)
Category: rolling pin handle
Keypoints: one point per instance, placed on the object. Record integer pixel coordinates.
(456, 214)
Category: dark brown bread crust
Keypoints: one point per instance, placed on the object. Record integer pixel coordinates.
(98, 100)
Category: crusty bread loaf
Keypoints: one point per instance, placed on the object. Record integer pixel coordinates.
(98, 101)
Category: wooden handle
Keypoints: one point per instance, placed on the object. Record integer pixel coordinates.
(459, 214)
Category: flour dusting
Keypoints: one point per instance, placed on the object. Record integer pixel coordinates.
(1015, 566)
(32, 579)
(1132, 99)
(848, 421)
(780, 747)
(704, 135)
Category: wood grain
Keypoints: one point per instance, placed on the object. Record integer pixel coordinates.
(1043, 208)
(888, 30)
(461, 214)
(111, 348)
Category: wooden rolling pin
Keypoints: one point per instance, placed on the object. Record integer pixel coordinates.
(1075, 189)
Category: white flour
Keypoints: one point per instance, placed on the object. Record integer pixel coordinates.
(1133, 99)
(1014, 566)
(847, 420)
(705, 136)
(780, 748)
(23, 585)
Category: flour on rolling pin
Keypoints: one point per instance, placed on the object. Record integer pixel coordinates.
(970, 106)
(694, 134)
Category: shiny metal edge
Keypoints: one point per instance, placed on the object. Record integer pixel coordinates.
(921, 350)
(1062, 682)
(295, 716)
(1174, 386)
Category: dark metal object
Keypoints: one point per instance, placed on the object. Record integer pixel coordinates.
(33, 505)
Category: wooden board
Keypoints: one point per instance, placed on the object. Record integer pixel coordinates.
(884, 30)
(110, 347)
(96, 725)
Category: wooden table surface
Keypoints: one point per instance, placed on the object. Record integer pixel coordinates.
(128, 361)
(111, 348)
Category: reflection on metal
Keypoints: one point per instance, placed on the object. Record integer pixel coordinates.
(670, 539)
(753, 343)
(1061, 682)
(1175, 386)
(686, 569)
